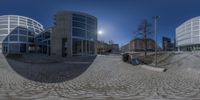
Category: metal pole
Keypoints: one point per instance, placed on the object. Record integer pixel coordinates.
(155, 30)
(155, 43)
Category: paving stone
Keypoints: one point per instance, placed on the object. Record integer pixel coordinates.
(108, 78)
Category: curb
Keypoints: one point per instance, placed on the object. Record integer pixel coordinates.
(154, 68)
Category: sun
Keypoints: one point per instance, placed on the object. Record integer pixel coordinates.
(100, 32)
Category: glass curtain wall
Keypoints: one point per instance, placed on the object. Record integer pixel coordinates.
(83, 35)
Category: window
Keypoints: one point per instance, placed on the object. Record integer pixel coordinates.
(13, 23)
(4, 18)
(77, 46)
(85, 46)
(91, 28)
(30, 39)
(2, 38)
(22, 48)
(30, 25)
(22, 38)
(5, 47)
(49, 42)
(79, 18)
(3, 31)
(5, 39)
(13, 17)
(13, 38)
(30, 28)
(41, 29)
(78, 24)
(37, 31)
(195, 33)
(3, 26)
(23, 32)
(44, 49)
(78, 32)
(22, 20)
(90, 21)
(39, 25)
(14, 31)
(88, 46)
(35, 26)
(92, 47)
(29, 21)
(45, 43)
(30, 33)
(3, 22)
(47, 35)
(90, 35)
(21, 23)
(195, 28)
(34, 22)
(13, 26)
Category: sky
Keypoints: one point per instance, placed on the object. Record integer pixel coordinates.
(118, 19)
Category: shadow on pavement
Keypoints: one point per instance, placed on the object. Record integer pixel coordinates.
(42, 68)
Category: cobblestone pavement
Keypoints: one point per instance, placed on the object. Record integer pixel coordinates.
(108, 78)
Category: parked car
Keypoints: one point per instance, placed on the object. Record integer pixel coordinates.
(126, 57)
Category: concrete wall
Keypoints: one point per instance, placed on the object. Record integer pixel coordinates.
(62, 30)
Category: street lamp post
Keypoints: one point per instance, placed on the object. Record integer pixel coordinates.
(155, 30)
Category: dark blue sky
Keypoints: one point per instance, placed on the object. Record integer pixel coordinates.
(117, 18)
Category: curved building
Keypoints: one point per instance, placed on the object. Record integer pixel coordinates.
(188, 35)
(17, 33)
(74, 34)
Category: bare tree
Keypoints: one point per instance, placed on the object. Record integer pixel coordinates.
(144, 30)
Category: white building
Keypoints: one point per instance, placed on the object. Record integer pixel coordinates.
(17, 33)
(188, 35)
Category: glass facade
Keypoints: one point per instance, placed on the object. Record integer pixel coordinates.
(19, 32)
(84, 34)
(43, 42)
(77, 46)
(77, 32)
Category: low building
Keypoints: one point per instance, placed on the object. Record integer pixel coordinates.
(139, 45)
(125, 48)
(115, 48)
(103, 47)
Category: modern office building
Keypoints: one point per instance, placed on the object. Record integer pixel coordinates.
(17, 34)
(188, 35)
(167, 44)
(74, 34)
